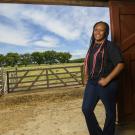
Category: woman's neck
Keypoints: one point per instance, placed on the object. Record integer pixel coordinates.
(99, 42)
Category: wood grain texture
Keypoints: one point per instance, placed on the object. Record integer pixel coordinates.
(99, 3)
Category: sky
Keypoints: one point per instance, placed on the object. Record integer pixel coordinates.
(29, 28)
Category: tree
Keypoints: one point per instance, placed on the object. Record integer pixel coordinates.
(63, 57)
(25, 59)
(50, 57)
(2, 59)
(47, 57)
(12, 59)
(37, 57)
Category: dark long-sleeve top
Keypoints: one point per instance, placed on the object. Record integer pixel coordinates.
(112, 56)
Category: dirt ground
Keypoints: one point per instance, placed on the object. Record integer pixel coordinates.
(60, 116)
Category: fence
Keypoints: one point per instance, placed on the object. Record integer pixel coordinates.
(3, 82)
(44, 78)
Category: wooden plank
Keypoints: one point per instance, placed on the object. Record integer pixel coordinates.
(43, 75)
(35, 69)
(47, 77)
(35, 88)
(44, 84)
(57, 76)
(8, 81)
(21, 79)
(98, 3)
(45, 80)
(21, 87)
(82, 74)
(71, 75)
(36, 79)
(114, 19)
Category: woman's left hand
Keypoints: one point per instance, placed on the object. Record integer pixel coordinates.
(103, 81)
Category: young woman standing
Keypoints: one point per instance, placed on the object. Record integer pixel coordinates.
(103, 63)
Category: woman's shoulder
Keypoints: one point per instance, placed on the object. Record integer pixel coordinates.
(111, 45)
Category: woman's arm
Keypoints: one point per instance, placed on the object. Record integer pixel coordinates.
(117, 69)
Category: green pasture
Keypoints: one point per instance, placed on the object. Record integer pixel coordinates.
(36, 66)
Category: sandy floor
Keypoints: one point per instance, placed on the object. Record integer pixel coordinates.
(58, 117)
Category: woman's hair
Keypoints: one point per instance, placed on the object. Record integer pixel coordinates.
(92, 40)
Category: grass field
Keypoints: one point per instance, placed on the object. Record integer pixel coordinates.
(36, 66)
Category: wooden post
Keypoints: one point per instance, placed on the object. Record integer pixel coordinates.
(16, 80)
(2, 79)
(47, 78)
(8, 81)
(82, 74)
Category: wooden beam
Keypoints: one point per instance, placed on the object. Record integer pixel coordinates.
(97, 3)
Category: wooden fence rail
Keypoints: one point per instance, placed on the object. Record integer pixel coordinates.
(44, 78)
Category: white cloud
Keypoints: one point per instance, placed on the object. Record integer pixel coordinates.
(55, 25)
(14, 33)
(10, 10)
(47, 41)
(12, 36)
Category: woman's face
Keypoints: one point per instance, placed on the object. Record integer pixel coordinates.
(99, 32)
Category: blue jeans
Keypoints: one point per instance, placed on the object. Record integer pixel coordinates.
(93, 92)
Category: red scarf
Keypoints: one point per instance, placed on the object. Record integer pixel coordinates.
(94, 60)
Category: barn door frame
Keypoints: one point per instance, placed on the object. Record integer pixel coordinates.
(117, 8)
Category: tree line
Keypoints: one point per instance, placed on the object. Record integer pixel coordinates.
(46, 57)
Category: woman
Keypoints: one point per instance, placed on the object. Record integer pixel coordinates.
(103, 63)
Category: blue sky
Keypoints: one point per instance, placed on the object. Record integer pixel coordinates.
(29, 28)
